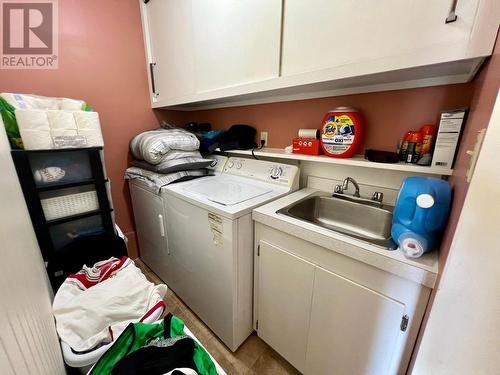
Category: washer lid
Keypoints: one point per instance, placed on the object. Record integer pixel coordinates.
(226, 191)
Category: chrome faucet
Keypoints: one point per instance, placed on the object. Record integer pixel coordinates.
(345, 185)
(377, 196)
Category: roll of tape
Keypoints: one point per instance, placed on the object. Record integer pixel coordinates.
(309, 133)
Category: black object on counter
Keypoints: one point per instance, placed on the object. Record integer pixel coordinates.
(379, 156)
(237, 137)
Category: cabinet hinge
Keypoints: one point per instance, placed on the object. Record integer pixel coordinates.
(404, 322)
(258, 250)
(256, 325)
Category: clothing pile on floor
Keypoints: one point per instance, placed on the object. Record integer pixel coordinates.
(42, 123)
(155, 349)
(95, 305)
(166, 155)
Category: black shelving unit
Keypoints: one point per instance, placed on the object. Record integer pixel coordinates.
(83, 172)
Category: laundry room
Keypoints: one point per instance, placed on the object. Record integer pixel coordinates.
(249, 187)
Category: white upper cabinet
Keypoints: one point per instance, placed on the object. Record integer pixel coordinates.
(235, 42)
(168, 35)
(196, 46)
(373, 36)
(215, 53)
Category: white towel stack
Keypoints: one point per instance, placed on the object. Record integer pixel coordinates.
(46, 122)
(46, 129)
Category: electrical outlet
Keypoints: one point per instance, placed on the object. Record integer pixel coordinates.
(263, 137)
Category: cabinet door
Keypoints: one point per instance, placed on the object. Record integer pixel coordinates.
(169, 38)
(321, 34)
(353, 329)
(284, 302)
(150, 227)
(235, 42)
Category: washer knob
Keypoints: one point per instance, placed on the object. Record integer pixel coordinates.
(238, 165)
(276, 172)
(230, 164)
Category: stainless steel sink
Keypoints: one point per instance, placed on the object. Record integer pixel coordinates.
(356, 217)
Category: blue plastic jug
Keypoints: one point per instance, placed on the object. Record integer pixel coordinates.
(421, 212)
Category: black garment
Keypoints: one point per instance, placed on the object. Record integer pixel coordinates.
(87, 250)
(153, 360)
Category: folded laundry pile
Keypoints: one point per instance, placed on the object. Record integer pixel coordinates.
(155, 349)
(166, 155)
(40, 123)
(95, 305)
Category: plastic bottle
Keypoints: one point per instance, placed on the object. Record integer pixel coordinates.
(403, 149)
(428, 132)
(414, 147)
(420, 215)
(342, 132)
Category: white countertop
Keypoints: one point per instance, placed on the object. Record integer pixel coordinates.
(422, 270)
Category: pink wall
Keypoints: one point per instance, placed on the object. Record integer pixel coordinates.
(101, 60)
(388, 114)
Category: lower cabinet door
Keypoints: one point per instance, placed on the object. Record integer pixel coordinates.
(353, 329)
(284, 301)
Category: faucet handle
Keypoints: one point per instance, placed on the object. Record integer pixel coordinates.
(378, 196)
(338, 189)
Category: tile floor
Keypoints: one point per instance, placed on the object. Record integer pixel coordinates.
(253, 357)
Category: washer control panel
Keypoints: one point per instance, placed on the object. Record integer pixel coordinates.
(218, 164)
(277, 173)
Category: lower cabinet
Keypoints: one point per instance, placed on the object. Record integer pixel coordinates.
(325, 323)
(353, 329)
(285, 293)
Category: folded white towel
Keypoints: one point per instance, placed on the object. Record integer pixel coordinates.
(33, 119)
(46, 129)
(61, 120)
(36, 140)
(87, 120)
(89, 126)
(34, 128)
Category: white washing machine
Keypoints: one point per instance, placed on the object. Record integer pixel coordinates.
(207, 254)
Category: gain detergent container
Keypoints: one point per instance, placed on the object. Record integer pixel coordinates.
(421, 213)
(342, 132)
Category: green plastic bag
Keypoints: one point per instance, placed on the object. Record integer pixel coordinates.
(9, 120)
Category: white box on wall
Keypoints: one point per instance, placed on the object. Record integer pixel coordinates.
(450, 129)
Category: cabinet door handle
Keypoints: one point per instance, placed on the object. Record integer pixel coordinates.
(161, 224)
(152, 73)
(452, 16)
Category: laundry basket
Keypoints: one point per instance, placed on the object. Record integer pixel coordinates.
(85, 361)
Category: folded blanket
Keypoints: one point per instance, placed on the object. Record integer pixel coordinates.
(157, 180)
(153, 146)
(95, 305)
(175, 165)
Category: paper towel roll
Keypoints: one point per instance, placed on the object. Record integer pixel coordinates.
(309, 133)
